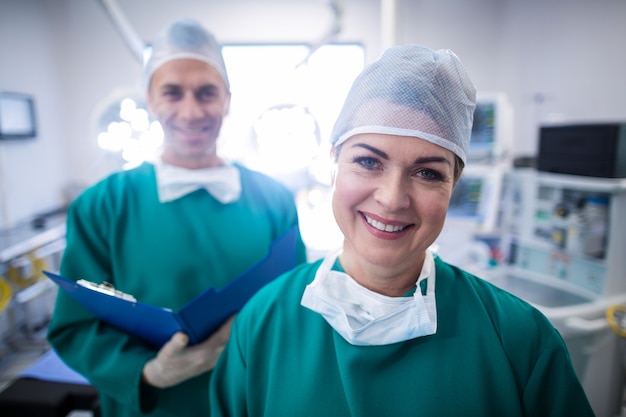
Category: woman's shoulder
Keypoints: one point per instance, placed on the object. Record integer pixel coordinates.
(283, 292)
(523, 329)
(501, 305)
(290, 282)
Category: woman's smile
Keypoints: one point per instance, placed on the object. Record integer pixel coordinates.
(385, 226)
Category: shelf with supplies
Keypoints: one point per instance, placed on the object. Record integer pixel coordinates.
(30, 236)
(607, 185)
(568, 227)
(26, 295)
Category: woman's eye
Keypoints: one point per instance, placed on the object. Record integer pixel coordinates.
(430, 175)
(367, 162)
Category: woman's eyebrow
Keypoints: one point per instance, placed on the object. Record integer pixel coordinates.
(421, 160)
(372, 149)
(429, 159)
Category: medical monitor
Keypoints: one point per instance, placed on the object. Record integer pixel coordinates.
(491, 130)
(476, 198)
(17, 116)
(466, 198)
(472, 219)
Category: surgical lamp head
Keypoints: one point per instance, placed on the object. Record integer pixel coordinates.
(185, 38)
(411, 91)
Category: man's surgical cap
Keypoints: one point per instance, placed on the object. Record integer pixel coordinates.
(185, 39)
(411, 91)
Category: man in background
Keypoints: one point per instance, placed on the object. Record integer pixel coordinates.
(165, 232)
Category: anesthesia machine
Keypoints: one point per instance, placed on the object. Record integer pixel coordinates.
(564, 235)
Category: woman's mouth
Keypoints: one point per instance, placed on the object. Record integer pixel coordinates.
(382, 226)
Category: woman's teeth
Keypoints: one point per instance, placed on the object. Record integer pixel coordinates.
(383, 227)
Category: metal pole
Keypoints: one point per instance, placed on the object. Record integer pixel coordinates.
(129, 34)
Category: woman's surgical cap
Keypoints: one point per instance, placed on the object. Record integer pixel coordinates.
(185, 39)
(411, 91)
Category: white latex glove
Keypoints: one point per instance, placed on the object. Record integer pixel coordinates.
(176, 362)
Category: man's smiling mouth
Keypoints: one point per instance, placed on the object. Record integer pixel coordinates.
(191, 132)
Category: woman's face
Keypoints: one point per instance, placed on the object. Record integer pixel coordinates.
(391, 194)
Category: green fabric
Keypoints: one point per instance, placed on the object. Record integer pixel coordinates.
(492, 355)
(164, 255)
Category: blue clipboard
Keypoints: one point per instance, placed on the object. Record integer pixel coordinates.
(198, 318)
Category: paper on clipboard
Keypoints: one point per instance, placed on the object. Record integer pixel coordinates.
(198, 318)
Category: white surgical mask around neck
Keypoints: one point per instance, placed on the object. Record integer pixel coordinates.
(363, 317)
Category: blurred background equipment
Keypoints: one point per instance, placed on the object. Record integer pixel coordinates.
(563, 238)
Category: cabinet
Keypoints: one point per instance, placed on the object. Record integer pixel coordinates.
(564, 238)
(26, 296)
(566, 227)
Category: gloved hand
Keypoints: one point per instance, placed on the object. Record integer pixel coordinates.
(176, 362)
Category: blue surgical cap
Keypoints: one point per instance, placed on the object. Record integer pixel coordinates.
(411, 91)
(185, 39)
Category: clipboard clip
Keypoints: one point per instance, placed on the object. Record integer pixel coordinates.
(106, 288)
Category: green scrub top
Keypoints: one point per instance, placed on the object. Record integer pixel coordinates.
(492, 355)
(164, 254)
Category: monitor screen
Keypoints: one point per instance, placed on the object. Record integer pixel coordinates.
(476, 198)
(483, 131)
(491, 129)
(466, 198)
(17, 116)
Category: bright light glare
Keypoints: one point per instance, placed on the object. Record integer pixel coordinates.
(120, 130)
(287, 139)
(319, 86)
(156, 130)
(127, 109)
(109, 142)
(133, 135)
(140, 120)
(273, 110)
(132, 151)
(319, 230)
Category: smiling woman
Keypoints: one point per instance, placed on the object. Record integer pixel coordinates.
(367, 316)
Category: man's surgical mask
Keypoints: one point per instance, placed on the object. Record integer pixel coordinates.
(173, 182)
(363, 317)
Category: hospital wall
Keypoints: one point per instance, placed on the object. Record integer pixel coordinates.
(554, 59)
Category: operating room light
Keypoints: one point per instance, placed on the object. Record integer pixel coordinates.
(277, 139)
(286, 130)
(131, 133)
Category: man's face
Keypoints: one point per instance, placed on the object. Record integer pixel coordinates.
(189, 98)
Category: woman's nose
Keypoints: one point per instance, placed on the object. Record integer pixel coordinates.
(392, 192)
